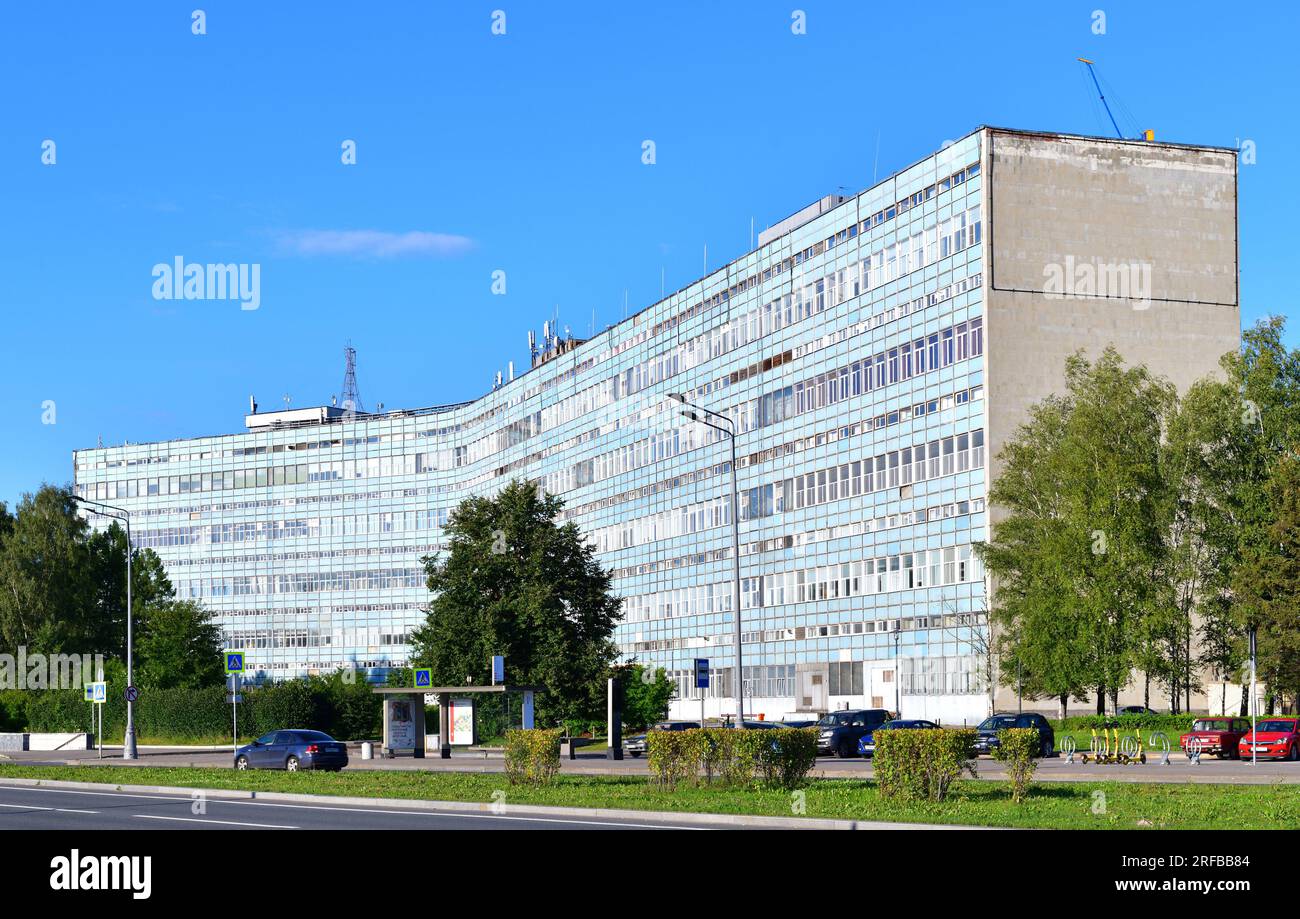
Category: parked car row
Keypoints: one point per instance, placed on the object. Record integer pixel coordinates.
(838, 733)
(1232, 738)
(986, 734)
(639, 743)
(850, 733)
(841, 733)
(867, 743)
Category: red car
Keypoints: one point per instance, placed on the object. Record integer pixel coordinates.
(1219, 736)
(1274, 738)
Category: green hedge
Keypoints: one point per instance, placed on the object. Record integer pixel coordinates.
(532, 756)
(787, 763)
(13, 710)
(776, 757)
(921, 765)
(348, 711)
(1018, 748)
(675, 756)
(1129, 723)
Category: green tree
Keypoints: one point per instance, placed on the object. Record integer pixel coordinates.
(646, 694)
(1072, 557)
(1206, 455)
(1264, 377)
(356, 712)
(45, 596)
(63, 584)
(105, 576)
(179, 646)
(514, 582)
(1269, 585)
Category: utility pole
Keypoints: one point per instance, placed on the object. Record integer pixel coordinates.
(1254, 739)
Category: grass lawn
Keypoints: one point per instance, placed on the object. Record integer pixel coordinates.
(978, 803)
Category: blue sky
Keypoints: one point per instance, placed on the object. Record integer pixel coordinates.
(520, 152)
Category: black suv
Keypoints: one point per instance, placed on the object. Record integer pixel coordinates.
(986, 738)
(839, 732)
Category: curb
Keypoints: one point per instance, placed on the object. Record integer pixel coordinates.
(537, 810)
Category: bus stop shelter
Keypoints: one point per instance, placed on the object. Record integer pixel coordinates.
(404, 727)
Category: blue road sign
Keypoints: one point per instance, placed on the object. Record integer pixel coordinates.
(423, 677)
(701, 673)
(132, 694)
(234, 661)
(97, 692)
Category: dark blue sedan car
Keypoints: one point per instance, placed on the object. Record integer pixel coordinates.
(293, 750)
(867, 743)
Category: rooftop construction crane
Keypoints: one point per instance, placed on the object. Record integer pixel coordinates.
(1146, 135)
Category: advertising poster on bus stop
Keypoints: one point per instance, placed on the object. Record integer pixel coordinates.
(460, 720)
(401, 725)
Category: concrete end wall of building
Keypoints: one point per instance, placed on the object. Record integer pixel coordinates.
(1094, 242)
(1161, 219)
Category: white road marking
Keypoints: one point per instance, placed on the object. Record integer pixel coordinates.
(264, 826)
(98, 794)
(351, 810)
(60, 810)
(422, 813)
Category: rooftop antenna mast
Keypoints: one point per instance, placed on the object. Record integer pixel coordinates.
(351, 398)
(1148, 135)
(1093, 73)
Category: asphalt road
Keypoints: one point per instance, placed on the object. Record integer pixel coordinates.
(23, 808)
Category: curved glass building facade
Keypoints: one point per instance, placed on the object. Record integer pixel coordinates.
(849, 349)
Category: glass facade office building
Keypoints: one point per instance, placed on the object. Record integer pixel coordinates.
(850, 351)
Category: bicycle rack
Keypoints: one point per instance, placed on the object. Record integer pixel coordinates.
(1194, 747)
(1068, 747)
(1130, 751)
(1161, 740)
(1098, 749)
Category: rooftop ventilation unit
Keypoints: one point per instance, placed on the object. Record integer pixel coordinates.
(799, 218)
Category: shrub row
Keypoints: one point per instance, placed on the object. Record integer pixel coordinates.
(776, 757)
(532, 756)
(346, 711)
(1129, 723)
(921, 765)
(1019, 748)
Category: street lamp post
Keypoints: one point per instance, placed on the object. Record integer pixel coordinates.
(1020, 690)
(727, 427)
(98, 507)
(898, 677)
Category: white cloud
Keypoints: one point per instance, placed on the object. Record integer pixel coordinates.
(375, 243)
